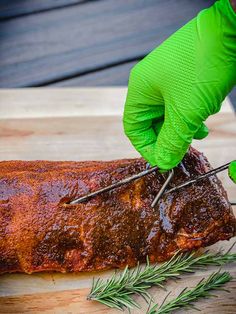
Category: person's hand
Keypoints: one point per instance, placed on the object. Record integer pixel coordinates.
(178, 85)
(232, 171)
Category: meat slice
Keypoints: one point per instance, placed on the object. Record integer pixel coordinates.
(40, 231)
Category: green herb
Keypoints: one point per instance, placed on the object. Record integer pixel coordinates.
(152, 310)
(117, 291)
(186, 298)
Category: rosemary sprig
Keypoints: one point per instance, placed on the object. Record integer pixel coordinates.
(152, 310)
(186, 298)
(117, 291)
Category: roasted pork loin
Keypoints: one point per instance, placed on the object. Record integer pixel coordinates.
(40, 231)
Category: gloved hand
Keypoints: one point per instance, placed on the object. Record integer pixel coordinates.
(232, 171)
(178, 85)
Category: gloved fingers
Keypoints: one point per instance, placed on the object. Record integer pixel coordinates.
(142, 130)
(202, 132)
(143, 138)
(141, 95)
(139, 129)
(144, 110)
(173, 140)
(232, 171)
(157, 124)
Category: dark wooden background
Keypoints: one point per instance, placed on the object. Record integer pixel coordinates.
(83, 42)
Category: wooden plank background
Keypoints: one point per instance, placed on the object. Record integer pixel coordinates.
(84, 42)
(83, 124)
(48, 42)
(15, 8)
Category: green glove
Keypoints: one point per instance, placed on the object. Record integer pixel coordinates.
(178, 85)
(232, 171)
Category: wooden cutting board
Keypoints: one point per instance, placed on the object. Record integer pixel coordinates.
(86, 124)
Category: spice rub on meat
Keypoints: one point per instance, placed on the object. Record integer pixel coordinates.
(40, 231)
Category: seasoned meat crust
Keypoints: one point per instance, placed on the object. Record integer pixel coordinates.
(39, 231)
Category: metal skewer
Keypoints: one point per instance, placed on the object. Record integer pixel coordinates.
(202, 176)
(113, 186)
(162, 190)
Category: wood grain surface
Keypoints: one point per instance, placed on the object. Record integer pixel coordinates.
(15, 8)
(86, 124)
(111, 76)
(40, 49)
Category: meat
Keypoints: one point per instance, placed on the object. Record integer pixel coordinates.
(40, 231)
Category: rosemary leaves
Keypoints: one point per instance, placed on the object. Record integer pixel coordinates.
(117, 291)
(186, 298)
